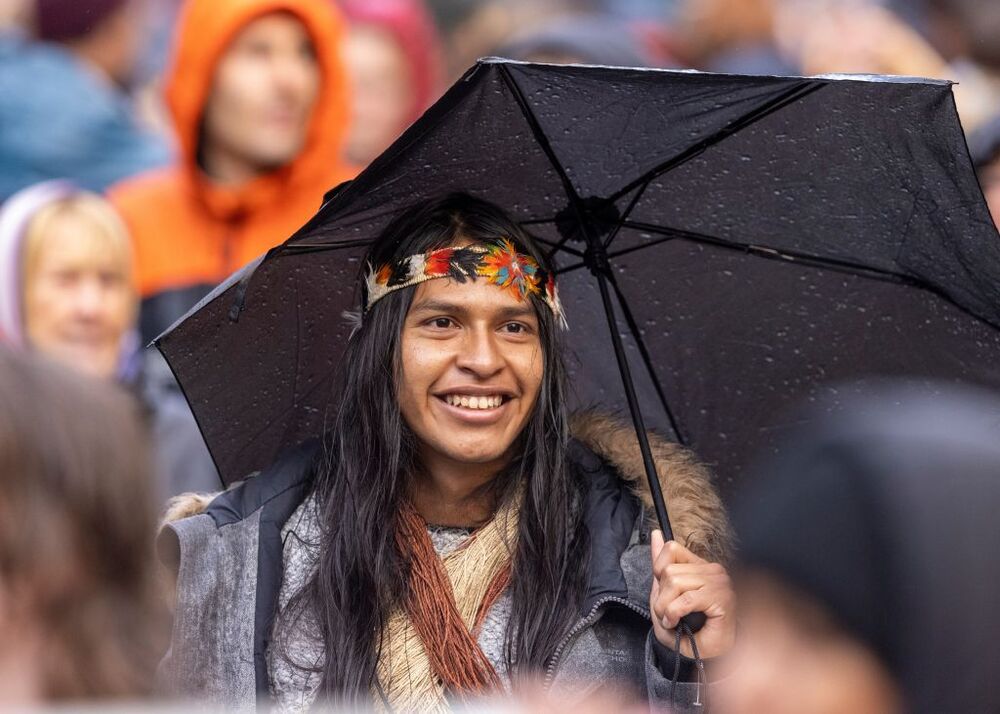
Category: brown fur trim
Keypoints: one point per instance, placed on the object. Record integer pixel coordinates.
(697, 515)
(696, 512)
(185, 506)
(168, 548)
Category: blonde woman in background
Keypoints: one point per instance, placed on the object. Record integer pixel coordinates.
(67, 291)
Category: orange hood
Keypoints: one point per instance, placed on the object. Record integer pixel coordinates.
(204, 32)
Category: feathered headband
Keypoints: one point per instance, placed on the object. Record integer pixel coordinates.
(497, 261)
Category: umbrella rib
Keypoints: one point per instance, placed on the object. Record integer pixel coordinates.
(570, 268)
(550, 154)
(625, 251)
(646, 359)
(628, 212)
(300, 248)
(797, 92)
(539, 134)
(764, 252)
(561, 245)
(557, 246)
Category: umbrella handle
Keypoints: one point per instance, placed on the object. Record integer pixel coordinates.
(694, 621)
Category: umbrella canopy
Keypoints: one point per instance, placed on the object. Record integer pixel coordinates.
(760, 237)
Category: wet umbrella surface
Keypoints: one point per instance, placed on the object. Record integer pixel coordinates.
(761, 238)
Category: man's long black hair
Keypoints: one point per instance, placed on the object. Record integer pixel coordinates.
(371, 457)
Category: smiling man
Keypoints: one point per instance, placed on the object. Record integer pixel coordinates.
(448, 538)
(471, 372)
(258, 95)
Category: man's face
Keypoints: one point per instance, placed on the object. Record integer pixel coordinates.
(263, 93)
(472, 368)
(78, 297)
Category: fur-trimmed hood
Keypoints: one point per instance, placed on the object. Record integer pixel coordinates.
(696, 512)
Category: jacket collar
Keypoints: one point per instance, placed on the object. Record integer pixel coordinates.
(617, 506)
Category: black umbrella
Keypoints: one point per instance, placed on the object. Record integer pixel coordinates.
(748, 240)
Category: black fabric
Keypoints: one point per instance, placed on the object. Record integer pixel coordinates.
(160, 311)
(884, 510)
(610, 513)
(666, 662)
(822, 531)
(290, 471)
(767, 236)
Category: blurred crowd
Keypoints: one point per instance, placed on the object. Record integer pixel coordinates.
(148, 148)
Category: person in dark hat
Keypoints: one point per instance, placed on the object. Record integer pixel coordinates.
(71, 21)
(867, 571)
(66, 112)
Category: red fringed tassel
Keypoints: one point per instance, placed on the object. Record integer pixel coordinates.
(453, 652)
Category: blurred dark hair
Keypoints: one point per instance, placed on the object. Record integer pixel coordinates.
(371, 457)
(977, 23)
(984, 144)
(77, 523)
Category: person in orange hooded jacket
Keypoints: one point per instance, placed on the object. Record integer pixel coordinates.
(259, 100)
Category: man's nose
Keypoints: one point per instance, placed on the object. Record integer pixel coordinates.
(480, 353)
(291, 72)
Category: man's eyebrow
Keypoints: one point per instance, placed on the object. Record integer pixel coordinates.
(454, 308)
(521, 312)
(438, 306)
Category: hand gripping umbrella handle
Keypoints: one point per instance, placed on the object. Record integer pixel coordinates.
(695, 620)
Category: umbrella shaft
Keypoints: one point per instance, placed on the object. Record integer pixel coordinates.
(633, 405)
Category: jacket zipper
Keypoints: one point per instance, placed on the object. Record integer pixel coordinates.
(583, 624)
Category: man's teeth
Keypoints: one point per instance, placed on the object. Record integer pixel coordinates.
(461, 400)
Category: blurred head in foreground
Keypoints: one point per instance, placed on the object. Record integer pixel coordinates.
(869, 569)
(78, 606)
